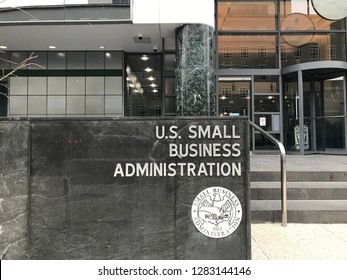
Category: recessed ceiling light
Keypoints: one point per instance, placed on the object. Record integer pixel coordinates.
(151, 78)
(3, 47)
(144, 57)
(101, 47)
(155, 90)
(107, 54)
(52, 47)
(148, 69)
(153, 85)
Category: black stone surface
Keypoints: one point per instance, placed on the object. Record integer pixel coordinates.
(79, 210)
(14, 176)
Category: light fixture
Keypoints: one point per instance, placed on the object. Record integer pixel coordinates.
(61, 54)
(155, 90)
(101, 47)
(148, 69)
(52, 47)
(144, 57)
(153, 85)
(151, 78)
(3, 47)
(107, 54)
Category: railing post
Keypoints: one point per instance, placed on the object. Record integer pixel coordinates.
(283, 171)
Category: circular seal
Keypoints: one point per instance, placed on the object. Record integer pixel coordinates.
(216, 212)
(331, 9)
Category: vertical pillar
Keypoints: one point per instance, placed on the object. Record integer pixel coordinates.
(195, 85)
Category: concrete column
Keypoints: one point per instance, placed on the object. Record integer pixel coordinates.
(195, 83)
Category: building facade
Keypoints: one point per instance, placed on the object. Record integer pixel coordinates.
(278, 62)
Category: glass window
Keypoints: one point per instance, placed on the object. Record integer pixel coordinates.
(56, 85)
(247, 15)
(37, 105)
(266, 103)
(319, 48)
(113, 105)
(142, 110)
(234, 96)
(170, 62)
(37, 85)
(261, 51)
(56, 60)
(95, 60)
(40, 62)
(76, 85)
(17, 57)
(314, 52)
(76, 105)
(239, 52)
(18, 86)
(95, 86)
(95, 105)
(263, 143)
(304, 8)
(56, 105)
(113, 60)
(113, 85)
(143, 84)
(75, 60)
(4, 58)
(18, 105)
(266, 84)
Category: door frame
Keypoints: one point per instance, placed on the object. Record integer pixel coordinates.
(322, 67)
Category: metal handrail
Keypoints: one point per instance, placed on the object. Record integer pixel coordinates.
(283, 171)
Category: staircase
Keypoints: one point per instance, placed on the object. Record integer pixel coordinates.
(313, 196)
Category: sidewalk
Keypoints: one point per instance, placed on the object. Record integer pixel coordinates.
(299, 242)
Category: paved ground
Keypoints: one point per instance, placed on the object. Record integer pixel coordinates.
(299, 242)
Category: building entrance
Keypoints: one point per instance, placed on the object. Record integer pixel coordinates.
(315, 111)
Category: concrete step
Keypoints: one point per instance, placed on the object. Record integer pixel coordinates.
(300, 176)
(300, 211)
(300, 190)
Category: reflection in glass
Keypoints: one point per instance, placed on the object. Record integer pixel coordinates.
(247, 15)
(322, 47)
(234, 98)
(144, 92)
(304, 7)
(266, 103)
(257, 51)
(266, 84)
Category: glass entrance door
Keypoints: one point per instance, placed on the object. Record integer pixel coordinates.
(330, 115)
(315, 111)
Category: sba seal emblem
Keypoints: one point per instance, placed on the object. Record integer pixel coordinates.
(216, 212)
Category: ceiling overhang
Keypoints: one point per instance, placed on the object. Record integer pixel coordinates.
(39, 30)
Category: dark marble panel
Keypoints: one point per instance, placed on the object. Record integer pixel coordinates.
(14, 176)
(191, 243)
(79, 210)
(195, 83)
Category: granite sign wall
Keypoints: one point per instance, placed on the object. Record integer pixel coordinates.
(139, 189)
